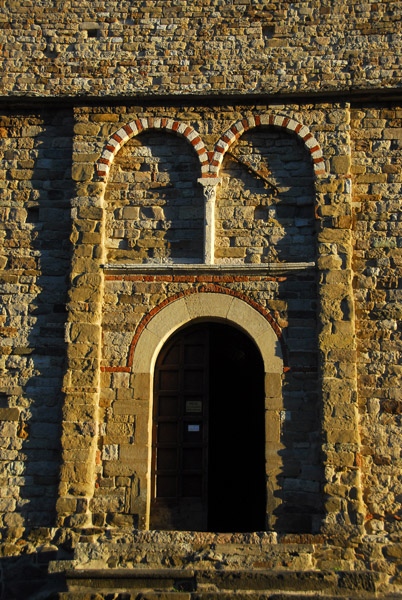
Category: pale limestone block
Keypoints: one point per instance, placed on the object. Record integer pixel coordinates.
(146, 350)
(239, 126)
(208, 305)
(273, 385)
(141, 385)
(292, 124)
(142, 429)
(192, 135)
(134, 127)
(311, 143)
(107, 154)
(278, 120)
(182, 128)
(272, 426)
(123, 407)
(303, 131)
(114, 143)
(231, 136)
(133, 453)
(271, 351)
(169, 319)
(110, 452)
(121, 133)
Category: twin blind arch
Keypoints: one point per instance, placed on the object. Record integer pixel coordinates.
(210, 162)
(210, 165)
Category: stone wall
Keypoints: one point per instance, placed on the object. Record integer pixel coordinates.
(154, 204)
(265, 206)
(315, 317)
(133, 212)
(125, 303)
(376, 157)
(35, 260)
(209, 47)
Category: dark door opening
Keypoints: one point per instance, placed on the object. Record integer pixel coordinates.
(208, 459)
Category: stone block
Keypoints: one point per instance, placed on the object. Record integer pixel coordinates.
(105, 118)
(142, 436)
(394, 133)
(272, 426)
(273, 386)
(8, 429)
(130, 454)
(124, 407)
(7, 505)
(340, 164)
(82, 171)
(131, 212)
(342, 436)
(9, 414)
(86, 129)
(393, 552)
(206, 305)
(93, 213)
(88, 379)
(66, 506)
(117, 468)
(80, 413)
(110, 452)
(76, 473)
(122, 521)
(85, 333)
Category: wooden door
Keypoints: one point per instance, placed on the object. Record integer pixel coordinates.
(208, 452)
(180, 433)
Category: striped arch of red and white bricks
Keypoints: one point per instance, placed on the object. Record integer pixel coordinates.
(125, 133)
(210, 162)
(290, 125)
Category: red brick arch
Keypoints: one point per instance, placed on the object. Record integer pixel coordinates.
(125, 133)
(290, 125)
(210, 288)
(210, 162)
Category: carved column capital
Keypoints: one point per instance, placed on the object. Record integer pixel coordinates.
(209, 185)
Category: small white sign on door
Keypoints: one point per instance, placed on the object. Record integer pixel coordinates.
(193, 427)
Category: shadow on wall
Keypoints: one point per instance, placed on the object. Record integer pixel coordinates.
(265, 213)
(299, 483)
(265, 207)
(154, 205)
(36, 582)
(37, 250)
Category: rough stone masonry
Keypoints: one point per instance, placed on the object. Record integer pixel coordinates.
(170, 164)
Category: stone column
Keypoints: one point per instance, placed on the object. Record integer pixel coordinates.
(337, 339)
(83, 336)
(210, 185)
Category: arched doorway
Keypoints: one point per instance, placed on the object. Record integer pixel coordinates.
(208, 465)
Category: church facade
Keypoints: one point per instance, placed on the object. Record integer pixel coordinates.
(201, 293)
